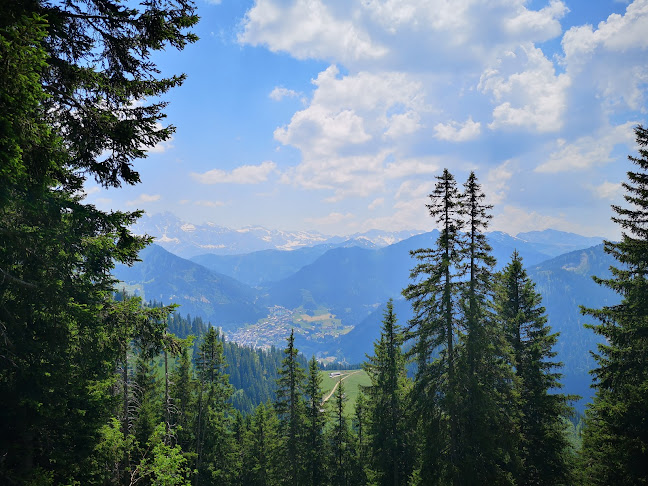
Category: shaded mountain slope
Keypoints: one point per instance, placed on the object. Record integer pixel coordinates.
(167, 278)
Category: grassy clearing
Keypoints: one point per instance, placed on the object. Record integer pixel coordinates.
(353, 380)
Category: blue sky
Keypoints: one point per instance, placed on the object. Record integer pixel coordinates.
(335, 115)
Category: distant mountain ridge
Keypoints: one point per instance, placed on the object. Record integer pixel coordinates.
(189, 240)
(554, 242)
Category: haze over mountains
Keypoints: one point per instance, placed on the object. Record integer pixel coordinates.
(187, 239)
(333, 290)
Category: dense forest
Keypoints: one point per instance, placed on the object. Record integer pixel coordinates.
(98, 388)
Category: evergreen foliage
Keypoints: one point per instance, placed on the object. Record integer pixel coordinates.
(315, 445)
(291, 410)
(435, 331)
(69, 76)
(485, 397)
(388, 438)
(615, 441)
(544, 450)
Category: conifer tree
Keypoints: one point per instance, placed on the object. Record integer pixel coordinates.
(182, 392)
(290, 408)
(360, 428)
(434, 329)
(387, 434)
(146, 403)
(212, 435)
(544, 456)
(314, 444)
(615, 442)
(486, 398)
(262, 465)
(341, 442)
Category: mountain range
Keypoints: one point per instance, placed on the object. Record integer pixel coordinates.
(350, 282)
(188, 240)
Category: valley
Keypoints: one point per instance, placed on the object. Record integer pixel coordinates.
(334, 297)
(273, 329)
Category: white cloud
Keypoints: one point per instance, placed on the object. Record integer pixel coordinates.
(532, 96)
(457, 132)
(539, 25)
(330, 219)
(379, 201)
(307, 29)
(407, 75)
(608, 190)
(209, 204)
(346, 133)
(513, 220)
(412, 167)
(279, 93)
(496, 183)
(588, 151)
(415, 190)
(144, 198)
(385, 33)
(401, 124)
(246, 174)
(612, 57)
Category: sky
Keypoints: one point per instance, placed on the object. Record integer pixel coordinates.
(336, 115)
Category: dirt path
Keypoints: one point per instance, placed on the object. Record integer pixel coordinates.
(336, 385)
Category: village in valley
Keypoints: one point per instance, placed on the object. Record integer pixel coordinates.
(275, 328)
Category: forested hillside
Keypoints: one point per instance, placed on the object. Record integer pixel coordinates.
(464, 376)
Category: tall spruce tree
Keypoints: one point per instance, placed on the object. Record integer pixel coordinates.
(434, 330)
(615, 443)
(342, 457)
(182, 392)
(388, 438)
(484, 372)
(291, 408)
(262, 465)
(544, 451)
(314, 443)
(212, 433)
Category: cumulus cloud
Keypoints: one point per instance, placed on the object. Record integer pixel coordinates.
(588, 151)
(279, 93)
(539, 25)
(346, 132)
(413, 167)
(406, 75)
(144, 198)
(532, 96)
(306, 29)
(608, 190)
(457, 132)
(612, 56)
(496, 183)
(246, 174)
